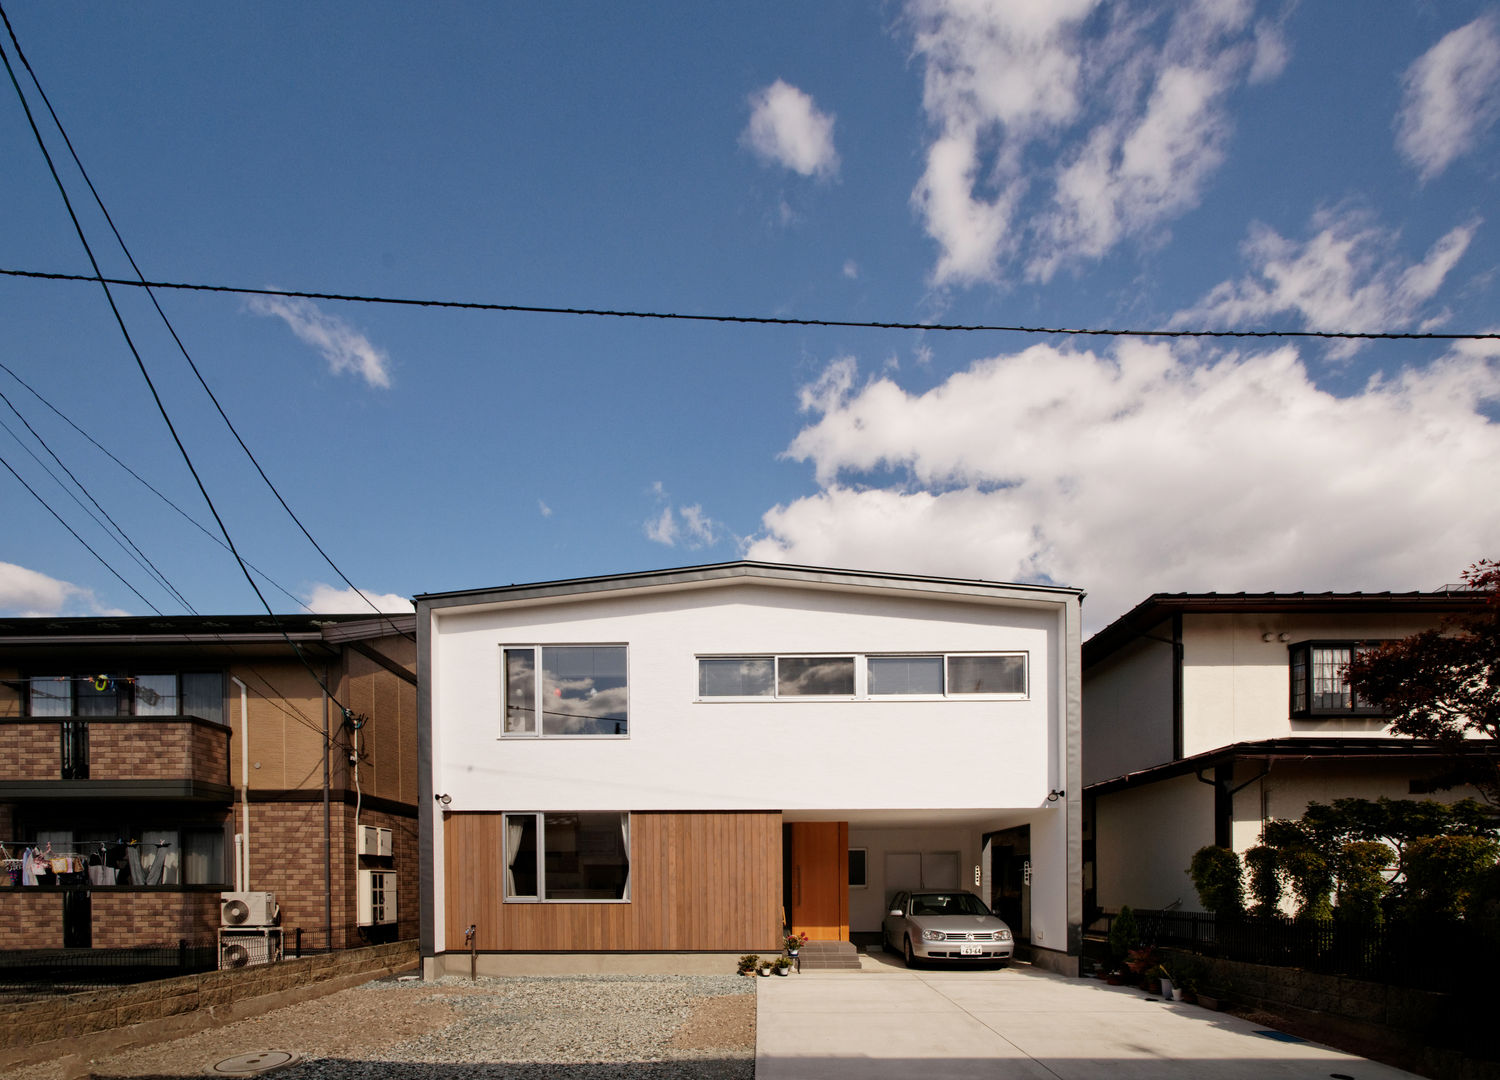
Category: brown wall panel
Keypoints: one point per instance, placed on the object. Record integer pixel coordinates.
(698, 882)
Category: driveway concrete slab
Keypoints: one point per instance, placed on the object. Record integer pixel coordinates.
(1020, 1023)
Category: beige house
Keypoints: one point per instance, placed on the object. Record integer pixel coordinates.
(1205, 715)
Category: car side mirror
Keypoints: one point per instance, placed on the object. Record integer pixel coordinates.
(896, 911)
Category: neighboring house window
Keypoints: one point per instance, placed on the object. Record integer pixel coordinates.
(565, 690)
(567, 857)
(1317, 678)
(194, 693)
(936, 675)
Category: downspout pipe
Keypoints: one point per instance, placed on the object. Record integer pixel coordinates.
(242, 866)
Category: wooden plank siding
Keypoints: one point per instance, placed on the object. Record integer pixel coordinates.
(699, 882)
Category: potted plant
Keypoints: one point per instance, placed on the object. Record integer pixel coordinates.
(764, 969)
(748, 963)
(783, 965)
(794, 942)
(1140, 962)
(1164, 978)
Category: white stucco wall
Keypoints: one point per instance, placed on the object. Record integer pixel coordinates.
(1236, 686)
(1145, 839)
(1127, 710)
(686, 754)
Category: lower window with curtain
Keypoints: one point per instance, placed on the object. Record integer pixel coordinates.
(567, 857)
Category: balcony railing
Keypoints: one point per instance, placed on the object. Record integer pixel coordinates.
(166, 749)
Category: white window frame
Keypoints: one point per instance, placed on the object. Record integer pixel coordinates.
(861, 676)
(536, 687)
(541, 896)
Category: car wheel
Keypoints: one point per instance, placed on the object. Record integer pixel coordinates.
(906, 953)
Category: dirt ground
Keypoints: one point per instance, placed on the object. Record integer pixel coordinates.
(355, 1022)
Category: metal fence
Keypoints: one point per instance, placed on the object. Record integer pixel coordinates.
(1428, 955)
(34, 973)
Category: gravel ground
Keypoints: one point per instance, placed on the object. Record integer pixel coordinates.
(623, 1027)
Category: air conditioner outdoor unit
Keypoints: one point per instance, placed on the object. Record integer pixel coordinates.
(247, 948)
(373, 840)
(247, 909)
(377, 897)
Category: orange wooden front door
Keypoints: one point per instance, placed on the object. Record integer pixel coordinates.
(820, 879)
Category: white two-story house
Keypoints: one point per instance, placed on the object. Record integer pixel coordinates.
(621, 771)
(1208, 714)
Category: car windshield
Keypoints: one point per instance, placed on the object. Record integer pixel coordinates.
(959, 903)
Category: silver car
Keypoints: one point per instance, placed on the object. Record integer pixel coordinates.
(945, 926)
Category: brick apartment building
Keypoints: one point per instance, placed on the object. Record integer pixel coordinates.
(149, 764)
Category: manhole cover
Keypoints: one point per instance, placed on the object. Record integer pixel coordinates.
(253, 1063)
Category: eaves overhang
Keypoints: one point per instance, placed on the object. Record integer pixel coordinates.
(237, 630)
(765, 573)
(1157, 608)
(1353, 748)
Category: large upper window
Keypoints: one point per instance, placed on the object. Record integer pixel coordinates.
(190, 693)
(1317, 678)
(577, 856)
(855, 676)
(565, 690)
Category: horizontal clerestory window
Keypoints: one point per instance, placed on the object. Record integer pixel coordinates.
(938, 675)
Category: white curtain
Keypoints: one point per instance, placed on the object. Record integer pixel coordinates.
(515, 828)
(625, 835)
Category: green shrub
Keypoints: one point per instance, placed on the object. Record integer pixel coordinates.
(1265, 881)
(1362, 884)
(1217, 876)
(1444, 874)
(1124, 935)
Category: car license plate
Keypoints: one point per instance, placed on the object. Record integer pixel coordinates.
(970, 950)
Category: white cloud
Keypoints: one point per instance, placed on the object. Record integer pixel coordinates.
(1135, 471)
(26, 593)
(1450, 97)
(546, 511)
(851, 269)
(1348, 276)
(342, 346)
(328, 600)
(786, 128)
(1136, 118)
(687, 526)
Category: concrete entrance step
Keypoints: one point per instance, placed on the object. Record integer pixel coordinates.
(829, 956)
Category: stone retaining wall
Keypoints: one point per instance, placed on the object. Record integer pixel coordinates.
(106, 1020)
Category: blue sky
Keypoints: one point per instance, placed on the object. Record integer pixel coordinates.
(1213, 165)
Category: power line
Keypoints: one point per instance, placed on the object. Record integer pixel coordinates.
(144, 482)
(118, 535)
(141, 365)
(99, 201)
(102, 560)
(761, 320)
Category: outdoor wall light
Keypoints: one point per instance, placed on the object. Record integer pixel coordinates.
(445, 799)
(1055, 794)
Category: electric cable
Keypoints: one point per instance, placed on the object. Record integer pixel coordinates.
(119, 535)
(148, 486)
(102, 560)
(761, 320)
(99, 201)
(141, 365)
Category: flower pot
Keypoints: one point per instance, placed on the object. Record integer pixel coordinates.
(764, 972)
(1166, 989)
(782, 971)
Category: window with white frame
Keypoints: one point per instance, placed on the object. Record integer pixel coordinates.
(565, 690)
(560, 857)
(1317, 680)
(932, 675)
